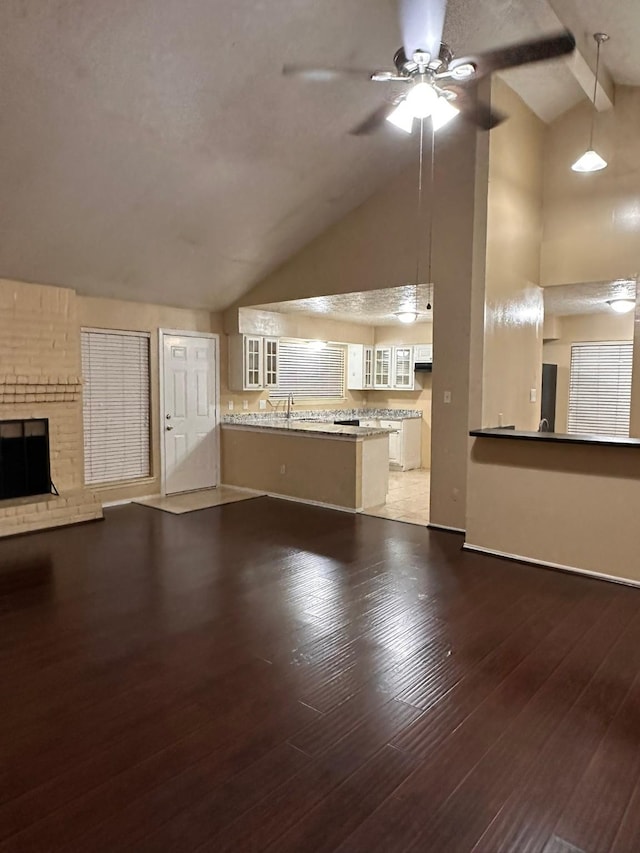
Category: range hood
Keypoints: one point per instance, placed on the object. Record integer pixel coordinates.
(423, 366)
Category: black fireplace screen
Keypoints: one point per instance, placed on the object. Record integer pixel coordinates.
(24, 458)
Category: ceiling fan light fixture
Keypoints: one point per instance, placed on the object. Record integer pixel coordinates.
(407, 316)
(422, 98)
(443, 112)
(402, 117)
(590, 161)
(621, 306)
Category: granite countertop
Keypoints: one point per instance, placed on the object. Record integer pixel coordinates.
(325, 416)
(557, 437)
(300, 426)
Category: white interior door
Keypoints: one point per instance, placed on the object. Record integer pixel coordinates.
(189, 419)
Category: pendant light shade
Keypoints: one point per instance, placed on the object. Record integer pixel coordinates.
(591, 161)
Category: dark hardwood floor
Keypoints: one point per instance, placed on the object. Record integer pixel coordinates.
(272, 676)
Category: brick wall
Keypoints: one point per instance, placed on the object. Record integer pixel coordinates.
(40, 377)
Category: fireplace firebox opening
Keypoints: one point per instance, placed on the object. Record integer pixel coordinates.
(24, 458)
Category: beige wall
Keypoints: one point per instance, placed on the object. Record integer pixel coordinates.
(574, 329)
(564, 504)
(592, 221)
(513, 300)
(569, 505)
(140, 317)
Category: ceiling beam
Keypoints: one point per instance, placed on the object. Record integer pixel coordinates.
(582, 62)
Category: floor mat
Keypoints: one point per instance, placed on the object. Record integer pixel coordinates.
(192, 501)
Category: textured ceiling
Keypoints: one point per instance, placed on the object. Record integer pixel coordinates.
(369, 308)
(620, 19)
(151, 150)
(586, 297)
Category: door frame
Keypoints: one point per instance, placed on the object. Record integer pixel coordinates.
(216, 372)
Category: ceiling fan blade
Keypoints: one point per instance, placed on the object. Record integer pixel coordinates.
(317, 74)
(422, 25)
(374, 121)
(473, 110)
(523, 53)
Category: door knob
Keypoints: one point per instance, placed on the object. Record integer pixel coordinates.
(169, 428)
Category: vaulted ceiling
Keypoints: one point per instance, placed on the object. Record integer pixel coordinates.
(151, 150)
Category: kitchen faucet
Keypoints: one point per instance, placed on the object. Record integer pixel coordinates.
(543, 426)
(290, 403)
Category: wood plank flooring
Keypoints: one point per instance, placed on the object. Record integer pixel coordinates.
(271, 676)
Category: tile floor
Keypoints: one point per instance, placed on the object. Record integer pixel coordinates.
(191, 501)
(408, 497)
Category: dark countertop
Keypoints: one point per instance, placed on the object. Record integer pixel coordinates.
(557, 437)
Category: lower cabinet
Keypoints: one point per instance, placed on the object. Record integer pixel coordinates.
(405, 442)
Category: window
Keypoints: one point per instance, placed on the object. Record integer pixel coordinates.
(600, 388)
(309, 373)
(115, 369)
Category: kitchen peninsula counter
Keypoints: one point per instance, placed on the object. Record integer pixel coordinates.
(316, 461)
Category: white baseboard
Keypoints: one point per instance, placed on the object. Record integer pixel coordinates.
(444, 527)
(518, 558)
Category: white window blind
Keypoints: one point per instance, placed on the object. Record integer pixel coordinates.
(308, 373)
(115, 370)
(600, 388)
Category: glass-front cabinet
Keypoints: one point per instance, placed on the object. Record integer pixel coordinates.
(270, 362)
(382, 367)
(368, 367)
(253, 362)
(403, 375)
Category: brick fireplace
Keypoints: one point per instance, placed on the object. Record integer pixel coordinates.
(40, 378)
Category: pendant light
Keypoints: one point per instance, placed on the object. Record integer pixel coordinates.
(591, 161)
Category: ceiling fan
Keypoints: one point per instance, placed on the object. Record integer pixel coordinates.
(432, 81)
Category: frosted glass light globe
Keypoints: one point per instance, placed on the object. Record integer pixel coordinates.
(422, 98)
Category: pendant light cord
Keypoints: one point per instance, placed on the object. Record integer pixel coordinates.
(595, 94)
(419, 212)
(431, 206)
(419, 215)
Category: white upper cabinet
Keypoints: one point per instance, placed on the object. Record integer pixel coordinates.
(403, 372)
(382, 367)
(253, 363)
(359, 367)
(355, 367)
(270, 362)
(368, 367)
(423, 353)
